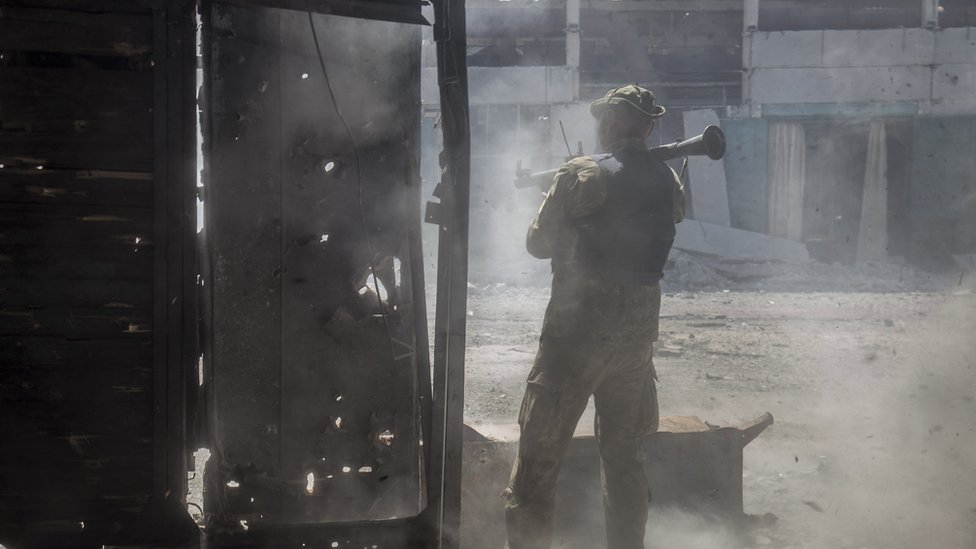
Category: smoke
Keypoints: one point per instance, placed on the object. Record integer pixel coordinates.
(872, 385)
(674, 528)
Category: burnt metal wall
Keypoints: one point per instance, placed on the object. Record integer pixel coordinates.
(96, 266)
(314, 384)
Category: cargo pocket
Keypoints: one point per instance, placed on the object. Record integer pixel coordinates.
(649, 413)
(540, 418)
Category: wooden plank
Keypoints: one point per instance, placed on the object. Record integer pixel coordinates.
(22, 510)
(82, 227)
(79, 482)
(127, 35)
(80, 187)
(77, 449)
(77, 150)
(78, 323)
(88, 6)
(41, 292)
(34, 264)
(87, 355)
(64, 382)
(108, 412)
(88, 102)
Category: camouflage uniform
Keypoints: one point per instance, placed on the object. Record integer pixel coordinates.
(596, 340)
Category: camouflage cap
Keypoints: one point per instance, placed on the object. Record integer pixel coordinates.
(637, 97)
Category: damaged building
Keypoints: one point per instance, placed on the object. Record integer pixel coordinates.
(264, 280)
(849, 121)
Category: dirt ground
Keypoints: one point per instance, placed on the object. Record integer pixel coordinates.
(873, 394)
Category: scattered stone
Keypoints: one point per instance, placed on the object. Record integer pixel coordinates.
(669, 351)
(814, 505)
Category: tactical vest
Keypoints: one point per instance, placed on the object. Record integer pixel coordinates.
(628, 239)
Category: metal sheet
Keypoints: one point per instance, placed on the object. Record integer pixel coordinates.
(687, 463)
(315, 383)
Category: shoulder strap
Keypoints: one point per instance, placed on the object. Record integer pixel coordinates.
(608, 163)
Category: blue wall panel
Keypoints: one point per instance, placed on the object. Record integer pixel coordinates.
(745, 172)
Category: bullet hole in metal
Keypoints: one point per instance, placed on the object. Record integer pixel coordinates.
(396, 271)
(82, 524)
(137, 240)
(328, 477)
(310, 483)
(363, 290)
(327, 166)
(346, 469)
(252, 500)
(338, 398)
(262, 86)
(365, 469)
(304, 76)
(337, 421)
(233, 484)
(2, 166)
(335, 544)
(324, 238)
(244, 525)
(373, 282)
(386, 438)
(40, 168)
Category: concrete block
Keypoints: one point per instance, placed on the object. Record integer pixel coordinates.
(878, 48)
(708, 238)
(956, 45)
(709, 195)
(953, 82)
(841, 84)
(787, 49)
(948, 108)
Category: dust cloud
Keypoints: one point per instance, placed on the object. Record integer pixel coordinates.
(867, 366)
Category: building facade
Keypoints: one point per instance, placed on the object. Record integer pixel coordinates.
(850, 123)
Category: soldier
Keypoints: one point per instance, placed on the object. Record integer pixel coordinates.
(607, 223)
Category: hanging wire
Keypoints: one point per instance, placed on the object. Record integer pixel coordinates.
(359, 186)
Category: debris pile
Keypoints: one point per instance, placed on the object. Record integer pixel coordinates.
(699, 272)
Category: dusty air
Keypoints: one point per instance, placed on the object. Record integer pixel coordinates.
(488, 274)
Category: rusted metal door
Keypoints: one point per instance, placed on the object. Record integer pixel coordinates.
(312, 201)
